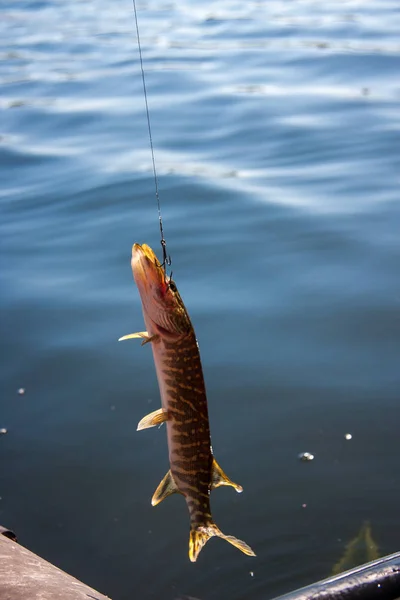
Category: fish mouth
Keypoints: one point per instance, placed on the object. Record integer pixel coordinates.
(146, 267)
(152, 284)
(163, 310)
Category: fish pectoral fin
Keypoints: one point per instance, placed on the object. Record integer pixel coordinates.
(152, 419)
(130, 336)
(218, 478)
(141, 334)
(166, 487)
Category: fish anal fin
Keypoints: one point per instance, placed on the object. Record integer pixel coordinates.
(218, 478)
(152, 419)
(166, 487)
(200, 535)
(146, 338)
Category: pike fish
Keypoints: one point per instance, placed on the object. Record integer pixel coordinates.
(194, 472)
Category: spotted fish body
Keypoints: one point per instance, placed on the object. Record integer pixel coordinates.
(193, 469)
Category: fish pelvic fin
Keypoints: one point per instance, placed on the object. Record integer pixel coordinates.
(200, 535)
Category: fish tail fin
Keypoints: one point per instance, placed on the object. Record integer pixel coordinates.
(200, 535)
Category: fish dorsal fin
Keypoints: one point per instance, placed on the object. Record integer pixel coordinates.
(218, 478)
(166, 487)
(154, 418)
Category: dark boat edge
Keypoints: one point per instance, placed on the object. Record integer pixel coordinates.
(376, 580)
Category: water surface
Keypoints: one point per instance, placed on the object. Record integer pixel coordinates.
(276, 129)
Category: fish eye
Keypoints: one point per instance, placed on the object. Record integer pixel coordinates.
(172, 286)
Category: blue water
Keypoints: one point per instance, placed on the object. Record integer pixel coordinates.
(276, 129)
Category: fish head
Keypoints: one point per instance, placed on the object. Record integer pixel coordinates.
(161, 301)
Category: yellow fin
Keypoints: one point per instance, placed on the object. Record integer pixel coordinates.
(141, 334)
(200, 536)
(166, 487)
(152, 419)
(218, 478)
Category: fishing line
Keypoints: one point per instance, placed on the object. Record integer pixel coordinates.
(166, 257)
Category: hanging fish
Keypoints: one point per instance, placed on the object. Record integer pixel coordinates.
(194, 472)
